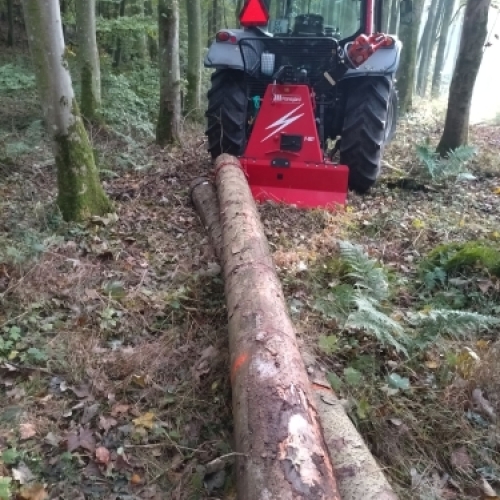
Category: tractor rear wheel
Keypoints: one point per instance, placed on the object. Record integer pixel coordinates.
(368, 125)
(227, 113)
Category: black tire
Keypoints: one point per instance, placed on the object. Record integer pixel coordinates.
(366, 130)
(227, 113)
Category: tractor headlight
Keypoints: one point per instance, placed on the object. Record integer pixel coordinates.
(267, 61)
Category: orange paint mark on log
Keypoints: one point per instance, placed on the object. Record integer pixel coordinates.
(321, 386)
(238, 363)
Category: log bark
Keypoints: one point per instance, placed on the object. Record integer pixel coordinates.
(282, 452)
(358, 475)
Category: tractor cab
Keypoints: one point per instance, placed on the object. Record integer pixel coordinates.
(340, 19)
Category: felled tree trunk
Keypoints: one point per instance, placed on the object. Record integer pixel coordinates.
(80, 194)
(358, 475)
(282, 452)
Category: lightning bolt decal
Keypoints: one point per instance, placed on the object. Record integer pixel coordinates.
(283, 122)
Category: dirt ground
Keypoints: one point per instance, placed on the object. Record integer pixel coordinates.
(113, 344)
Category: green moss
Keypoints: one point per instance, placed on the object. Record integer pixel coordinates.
(88, 98)
(80, 194)
(453, 257)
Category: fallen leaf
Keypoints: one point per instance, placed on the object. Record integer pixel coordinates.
(89, 413)
(83, 439)
(87, 441)
(484, 404)
(22, 473)
(102, 455)
(496, 190)
(146, 420)
(82, 391)
(118, 409)
(460, 459)
(52, 439)
(27, 431)
(35, 492)
(432, 365)
(136, 479)
(106, 423)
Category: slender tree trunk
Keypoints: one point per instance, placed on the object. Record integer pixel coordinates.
(394, 20)
(80, 194)
(136, 8)
(213, 20)
(427, 46)
(152, 41)
(193, 76)
(117, 59)
(409, 37)
(169, 120)
(10, 21)
(474, 32)
(88, 54)
(237, 10)
(443, 41)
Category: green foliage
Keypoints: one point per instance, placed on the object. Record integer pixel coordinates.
(31, 138)
(130, 102)
(5, 483)
(367, 274)
(457, 257)
(14, 78)
(439, 169)
(370, 318)
(358, 306)
(435, 323)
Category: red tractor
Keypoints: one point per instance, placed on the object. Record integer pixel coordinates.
(301, 82)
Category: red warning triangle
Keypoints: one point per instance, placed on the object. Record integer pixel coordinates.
(254, 13)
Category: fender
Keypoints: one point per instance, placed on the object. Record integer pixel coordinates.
(227, 55)
(382, 63)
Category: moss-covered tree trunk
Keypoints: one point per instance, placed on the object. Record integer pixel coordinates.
(408, 32)
(88, 55)
(169, 119)
(442, 43)
(470, 55)
(192, 103)
(427, 45)
(10, 21)
(80, 193)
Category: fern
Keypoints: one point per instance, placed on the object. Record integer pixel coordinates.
(438, 322)
(438, 168)
(366, 272)
(338, 303)
(375, 322)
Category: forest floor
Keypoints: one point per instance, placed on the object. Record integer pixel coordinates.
(113, 338)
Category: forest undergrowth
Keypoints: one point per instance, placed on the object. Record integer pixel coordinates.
(113, 339)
